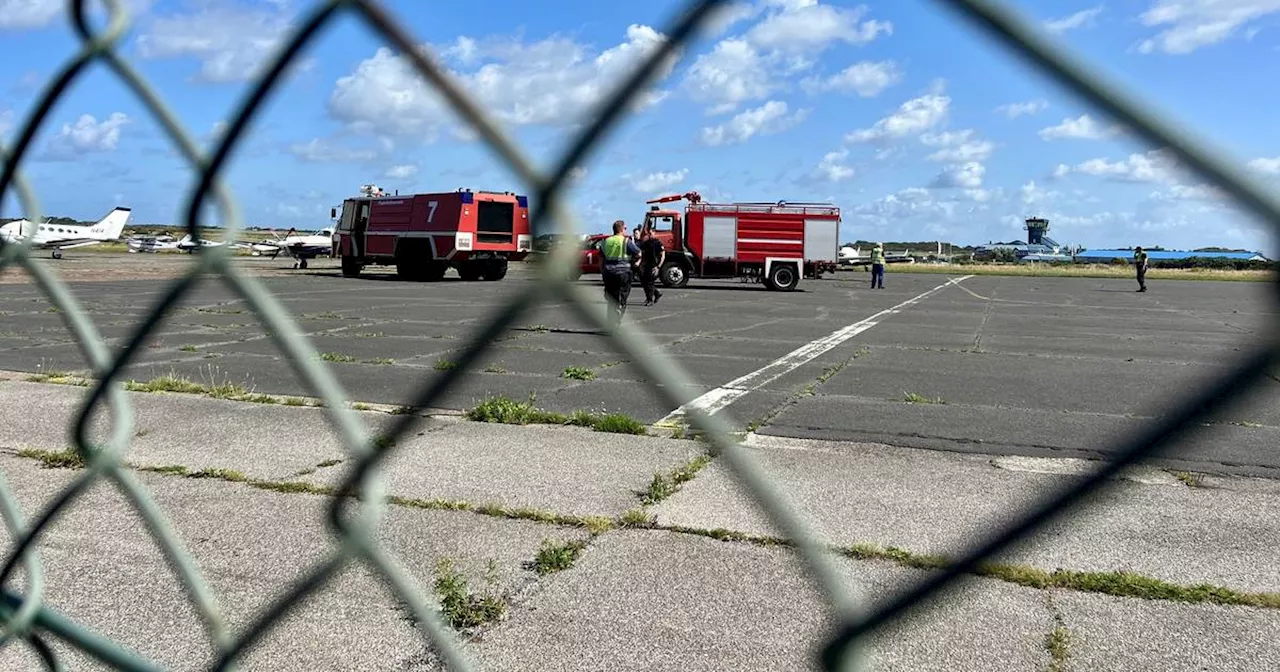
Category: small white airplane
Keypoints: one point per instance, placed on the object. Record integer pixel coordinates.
(186, 244)
(304, 247)
(152, 243)
(59, 237)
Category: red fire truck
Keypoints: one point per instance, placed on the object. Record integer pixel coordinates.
(424, 235)
(773, 243)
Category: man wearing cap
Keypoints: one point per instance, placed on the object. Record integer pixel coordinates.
(877, 266)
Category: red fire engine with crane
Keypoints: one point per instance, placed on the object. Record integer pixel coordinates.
(423, 235)
(773, 243)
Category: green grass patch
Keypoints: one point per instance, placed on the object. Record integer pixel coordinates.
(504, 410)
(556, 556)
(494, 368)
(445, 365)
(381, 361)
(330, 463)
(1058, 643)
(59, 378)
(294, 401)
(664, 485)
(636, 517)
(188, 348)
(463, 609)
(578, 373)
(54, 459)
(359, 406)
(336, 357)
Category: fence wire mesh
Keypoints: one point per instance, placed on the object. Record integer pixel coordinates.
(26, 619)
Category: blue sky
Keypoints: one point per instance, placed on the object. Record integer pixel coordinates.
(916, 125)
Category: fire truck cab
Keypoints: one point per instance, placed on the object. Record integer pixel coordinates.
(773, 243)
(423, 235)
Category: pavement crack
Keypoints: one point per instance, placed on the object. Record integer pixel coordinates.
(1058, 642)
(986, 316)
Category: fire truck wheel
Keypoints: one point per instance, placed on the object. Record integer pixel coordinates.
(350, 267)
(673, 275)
(783, 277)
(495, 270)
(469, 271)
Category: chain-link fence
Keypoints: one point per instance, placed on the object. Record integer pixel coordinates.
(26, 619)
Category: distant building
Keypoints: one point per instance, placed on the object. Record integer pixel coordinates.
(1106, 256)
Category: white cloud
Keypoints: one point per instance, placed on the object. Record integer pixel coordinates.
(749, 67)
(965, 176)
(867, 79)
(552, 82)
(1186, 192)
(34, 14)
(807, 26)
(1262, 165)
(1061, 171)
(958, 146)
(767, 119)
(1083, 127)
(21, 14)
(832, 167)
(729, 75)
(401, 172)
(1014, 110)
(1084, 18)
(1153, 166)
(87, 135)
(1191, 24)
(1033, 193)
(231, 41)
(320, 151)
(914, 116)
(654, 182)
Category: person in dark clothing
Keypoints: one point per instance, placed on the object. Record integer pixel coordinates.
(1140, 261)
(652, 254)
(619, 255)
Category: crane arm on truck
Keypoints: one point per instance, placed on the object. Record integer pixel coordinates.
(692, 197)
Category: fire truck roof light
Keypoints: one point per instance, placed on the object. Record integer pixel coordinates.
(522, 201)
(467, 197)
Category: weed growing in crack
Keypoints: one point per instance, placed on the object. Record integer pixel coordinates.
(54, 459)
(556, 557)
(445, 365)
(461, 608)
(578, 373)
(664, 485)
(913, 398)
(336, 357)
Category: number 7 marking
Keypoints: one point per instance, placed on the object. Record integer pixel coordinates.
(431, 210)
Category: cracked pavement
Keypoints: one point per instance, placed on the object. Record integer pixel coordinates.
(1038, 377)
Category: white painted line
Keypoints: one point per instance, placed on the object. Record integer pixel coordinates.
(726, 394)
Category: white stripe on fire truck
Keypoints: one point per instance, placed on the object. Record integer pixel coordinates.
(715, 400)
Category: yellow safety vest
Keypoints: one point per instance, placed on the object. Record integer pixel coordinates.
(615, 248)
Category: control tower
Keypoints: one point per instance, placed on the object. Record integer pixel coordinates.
(1035, 230)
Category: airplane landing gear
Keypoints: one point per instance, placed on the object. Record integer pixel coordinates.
(57, 253)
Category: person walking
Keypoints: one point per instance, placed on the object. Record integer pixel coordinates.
(877, 266)
(619, 254)
(1140, 261)
(652, 254)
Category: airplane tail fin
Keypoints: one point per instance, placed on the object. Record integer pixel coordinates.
(111, 226)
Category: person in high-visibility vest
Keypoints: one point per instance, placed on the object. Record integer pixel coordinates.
(877, 266)
(620, 254)
(1140, 260)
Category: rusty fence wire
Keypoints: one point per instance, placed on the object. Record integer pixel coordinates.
(24, 618)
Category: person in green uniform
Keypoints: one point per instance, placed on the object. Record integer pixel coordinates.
(1140, 261)
(619, 256)
(877, 266)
